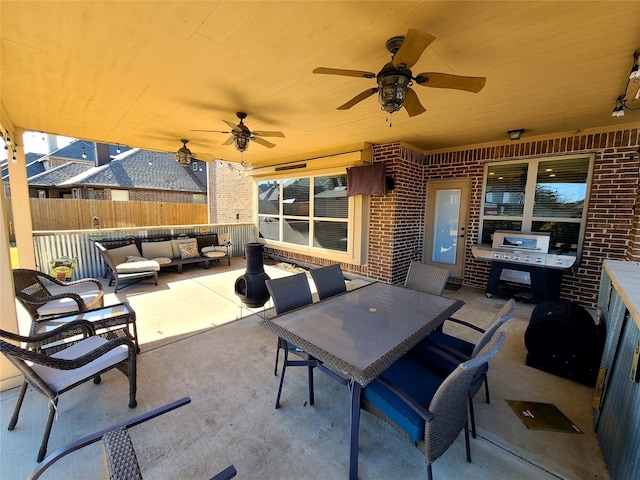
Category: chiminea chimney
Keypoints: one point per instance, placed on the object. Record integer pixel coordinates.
(102, 154)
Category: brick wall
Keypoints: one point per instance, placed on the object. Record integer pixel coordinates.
(396, 222)
(612, 229)
(231, 195)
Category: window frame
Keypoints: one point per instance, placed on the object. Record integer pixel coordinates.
(527, 218)
(356, 219)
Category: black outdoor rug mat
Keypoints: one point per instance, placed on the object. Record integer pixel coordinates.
(542, 416)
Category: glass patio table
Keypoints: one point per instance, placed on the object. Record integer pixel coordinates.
(359, 334)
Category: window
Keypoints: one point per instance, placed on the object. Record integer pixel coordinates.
(310, 213)
(42, 194)
(76, 193)
(120, 195)
(199, 198)
(194, 166)
(538, 195)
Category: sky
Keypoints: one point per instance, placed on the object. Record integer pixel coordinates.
(36, 142)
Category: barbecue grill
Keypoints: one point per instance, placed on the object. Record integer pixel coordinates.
(525, 259)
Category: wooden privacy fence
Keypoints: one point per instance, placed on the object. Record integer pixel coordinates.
(67, 214)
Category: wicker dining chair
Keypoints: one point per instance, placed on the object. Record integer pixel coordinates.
(428, 410)
(53, 375)
(289, 293)
(120, 461)
(426, 278)
(329, 281)
(32, 293)
(442, 353)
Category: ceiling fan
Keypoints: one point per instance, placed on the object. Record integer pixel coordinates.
(241, 135)
(395, 78)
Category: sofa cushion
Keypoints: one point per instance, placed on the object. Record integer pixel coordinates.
(214, 249)
(188, 250)
(176, 249)
(119, 255)
(158, 249)
(214, 254)
(137, 267)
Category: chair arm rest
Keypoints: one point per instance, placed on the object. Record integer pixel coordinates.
(85, 325)
(42, 300)
(80, 282)
(426, 415)
(226, 474)
(466, 324)
(94, 437)
(72, 364)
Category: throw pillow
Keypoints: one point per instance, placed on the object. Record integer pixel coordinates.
(135, 258)
(188, 250)
(162, 260)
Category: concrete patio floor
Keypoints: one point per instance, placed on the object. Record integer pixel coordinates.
(195, 343)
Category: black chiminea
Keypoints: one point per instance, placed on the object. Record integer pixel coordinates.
(250, 287)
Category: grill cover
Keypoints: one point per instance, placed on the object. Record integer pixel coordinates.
(563, 339)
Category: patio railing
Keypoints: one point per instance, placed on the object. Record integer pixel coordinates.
(78, 245)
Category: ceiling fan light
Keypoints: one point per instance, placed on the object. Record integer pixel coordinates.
(392, 90)
(241, 142)
(184, 155)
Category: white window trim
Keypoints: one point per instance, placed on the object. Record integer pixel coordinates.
(527, 218)
(356, 224)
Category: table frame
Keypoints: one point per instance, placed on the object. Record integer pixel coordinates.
(381, 294)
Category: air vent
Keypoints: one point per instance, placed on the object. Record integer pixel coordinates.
(291, 167)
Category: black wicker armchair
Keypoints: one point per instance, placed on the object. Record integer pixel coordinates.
(52, 375)
(120, 460)
(32, 293)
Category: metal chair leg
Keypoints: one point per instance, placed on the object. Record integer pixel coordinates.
(486, 388)
(53, 404)
(284, 367)
(466, 442)
(16, 411)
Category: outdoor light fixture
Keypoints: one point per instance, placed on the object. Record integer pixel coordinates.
(634, 76)
(84, 155)
(515, 134)
(184, 155)
(241, 141)
(392, 90)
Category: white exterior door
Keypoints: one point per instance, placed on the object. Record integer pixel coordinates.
(446, 224)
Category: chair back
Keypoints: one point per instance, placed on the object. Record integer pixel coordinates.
(504, 314)
(28, 283)
(289, 292)
(426, 278)
(329, 281)
(449, 404)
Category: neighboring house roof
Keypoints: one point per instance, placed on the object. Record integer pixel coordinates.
(33, 166)
(76, 148)
(57, 175)
(132, 170)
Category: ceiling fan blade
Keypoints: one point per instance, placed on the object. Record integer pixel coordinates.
(263, 142)
(263, 133)
(229, 141)
(211, 131)
(414, 44)
(358, 98)
(412, 104)
(231, 124)
(346, 73)
(446, 80)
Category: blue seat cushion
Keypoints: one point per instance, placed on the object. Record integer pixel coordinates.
(455, 343)
(417, 382)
